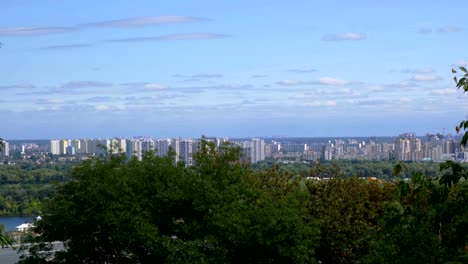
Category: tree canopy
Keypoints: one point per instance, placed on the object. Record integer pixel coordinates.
(151, 211)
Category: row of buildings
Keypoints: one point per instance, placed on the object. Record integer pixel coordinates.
(406, 147)
(253, 150)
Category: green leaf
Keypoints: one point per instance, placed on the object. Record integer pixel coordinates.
(464, 139)
(455, 79)
(463, 69)
(396, 169)
(461, 82)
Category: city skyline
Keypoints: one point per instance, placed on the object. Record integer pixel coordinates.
(405, 147)
(234, 69)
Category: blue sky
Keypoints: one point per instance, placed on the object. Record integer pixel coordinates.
(75, 69)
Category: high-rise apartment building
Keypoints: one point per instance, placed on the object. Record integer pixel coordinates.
(63, 144)
(162, 147)
(6, 149)
(175, 146)
(186, 151)
(257, 150)
(449, 146)
(134, 148)
(54, 147)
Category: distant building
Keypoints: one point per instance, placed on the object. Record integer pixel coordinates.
(6, 149)
(118, 145)
(71, 150)
(24, 227)
(162, 147)
(186, 151)
(63, 144)
(257, 150)
(449, 146)
(327, 153)
(54, 147)
(77, 145)
(134, 148)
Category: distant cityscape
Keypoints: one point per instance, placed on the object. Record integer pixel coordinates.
(405, 147)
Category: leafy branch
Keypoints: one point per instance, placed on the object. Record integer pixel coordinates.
(462, 83)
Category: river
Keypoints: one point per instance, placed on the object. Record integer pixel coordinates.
(10, 222)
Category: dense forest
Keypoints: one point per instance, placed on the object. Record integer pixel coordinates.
(116, 210)
(24, 186)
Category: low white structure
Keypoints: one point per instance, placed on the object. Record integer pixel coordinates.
(24, 227)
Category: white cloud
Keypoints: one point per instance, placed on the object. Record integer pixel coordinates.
(405, 100)
(51, 101)
(66, 46)
(402, 84)
(322, 103)
(172, 37)
(145, 21)
(18, 86)
(27, 31)
(443, 91)
(332, 81)
(305, 70)
(344, 36)
(376, 88)
(102, 107)
(153, 86)
(258, 76)
(321, 81)
(424, 77)
(418, 70)
(118, 23)
(336, 92)
(463, 63)
(446, 29)
(85, 84)
(290, 82)
(449, 29)
(425, 30)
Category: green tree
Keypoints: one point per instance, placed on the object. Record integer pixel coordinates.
(156, 211)
(348, 211)
(5, 240)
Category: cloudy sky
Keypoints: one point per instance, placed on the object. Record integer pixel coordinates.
(75, 69)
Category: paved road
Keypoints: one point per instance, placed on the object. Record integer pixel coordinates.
(11, 255)
(8, 255)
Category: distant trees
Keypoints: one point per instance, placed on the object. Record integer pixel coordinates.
(24, 187)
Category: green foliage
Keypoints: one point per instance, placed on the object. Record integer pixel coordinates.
(154, 211)
(5, 240)
(462, 83)
(24, 187)
(347, 211)
(426, 222)
(398, 167)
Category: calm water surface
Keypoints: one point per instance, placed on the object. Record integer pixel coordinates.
(10, 222)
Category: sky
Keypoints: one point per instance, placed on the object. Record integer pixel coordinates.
(95, 69)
